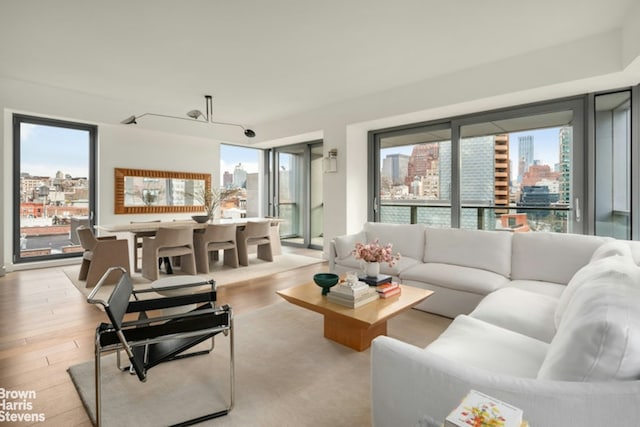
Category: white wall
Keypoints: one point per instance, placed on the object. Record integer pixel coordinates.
(125, 147)
(601, 62)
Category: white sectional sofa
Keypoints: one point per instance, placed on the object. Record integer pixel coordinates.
(547, 322)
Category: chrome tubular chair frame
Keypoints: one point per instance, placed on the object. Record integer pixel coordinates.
(149, 341)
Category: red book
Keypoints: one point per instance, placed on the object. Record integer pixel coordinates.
(386, 287)
(390, 293)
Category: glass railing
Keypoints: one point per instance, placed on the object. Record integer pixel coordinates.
(433, 215)
(479, 217)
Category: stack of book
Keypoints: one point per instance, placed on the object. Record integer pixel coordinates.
(352, 296)
(388, 289)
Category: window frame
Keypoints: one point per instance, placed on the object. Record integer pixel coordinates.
(92, 130)
(580, 154)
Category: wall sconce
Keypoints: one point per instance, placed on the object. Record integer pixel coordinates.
(331, 161)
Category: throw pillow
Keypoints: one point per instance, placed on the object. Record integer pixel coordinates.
(346, 244)
(606, 259)
(598, 338)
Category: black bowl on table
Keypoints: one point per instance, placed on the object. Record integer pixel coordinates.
(326, 281)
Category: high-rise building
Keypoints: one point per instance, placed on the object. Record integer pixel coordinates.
(477, 170)
(431, 182)
(525, 154)
(421, 161)
(537, 195)
(395, 168)
(565, 137)
(444, 168)
(239, 176)
(502, 173)
(538, 172)
(227, 179)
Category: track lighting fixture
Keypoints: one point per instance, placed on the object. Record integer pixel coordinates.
(193, 115)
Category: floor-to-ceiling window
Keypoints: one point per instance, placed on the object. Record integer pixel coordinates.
(240, 168)
(518, 169)
(297, 193)
(53, 186)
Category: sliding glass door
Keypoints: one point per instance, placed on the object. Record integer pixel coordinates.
(53, 187)
(298, 194)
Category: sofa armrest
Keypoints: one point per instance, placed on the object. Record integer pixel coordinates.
(411, 387)
(332, 256)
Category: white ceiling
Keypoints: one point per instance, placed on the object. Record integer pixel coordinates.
(267, 60)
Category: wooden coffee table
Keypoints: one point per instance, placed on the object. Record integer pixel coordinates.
(354, 327)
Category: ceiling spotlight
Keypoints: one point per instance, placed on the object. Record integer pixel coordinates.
(194, 115)
(131, 120)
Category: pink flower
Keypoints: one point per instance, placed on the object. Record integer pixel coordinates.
(373, 252)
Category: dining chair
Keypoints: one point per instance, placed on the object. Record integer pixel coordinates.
(214, 238)
(254, 233)
(168, 243)
(101, 253)
(137, 241)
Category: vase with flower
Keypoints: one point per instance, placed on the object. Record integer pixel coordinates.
(211, 198)
(373, 254)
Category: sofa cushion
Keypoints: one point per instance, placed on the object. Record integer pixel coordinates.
(480, 344)
(346, 244)
(598, 338)
(402, 264)
(539, 287)
(608, 260)
(407, 239)
(348, 264)
(456, 277)
(525, 312)
(551, 257)
(469, 248)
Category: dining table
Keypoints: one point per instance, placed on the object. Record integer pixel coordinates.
(151, 227)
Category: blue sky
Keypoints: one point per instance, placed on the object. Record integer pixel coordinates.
(546, 145)
(231, 155)
(45, 150)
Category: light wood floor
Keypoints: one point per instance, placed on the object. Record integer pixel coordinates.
(46, 326)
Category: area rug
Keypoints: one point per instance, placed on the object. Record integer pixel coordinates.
(222, 274)
(287, 374)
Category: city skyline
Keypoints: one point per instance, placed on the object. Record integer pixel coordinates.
(546, 148)
(231, 155)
